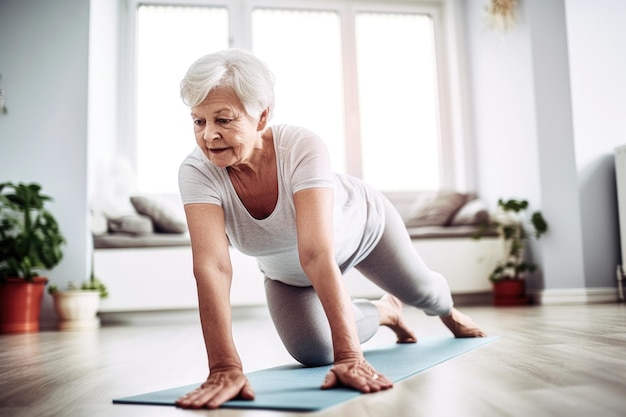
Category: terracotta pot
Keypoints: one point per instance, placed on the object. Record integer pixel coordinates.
(509, 288)
(508, 292)
(77, 309)
(20, 304)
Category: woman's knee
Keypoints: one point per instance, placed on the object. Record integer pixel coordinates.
(311, 352)
(434, 298)
(301, 323)
(307, 336)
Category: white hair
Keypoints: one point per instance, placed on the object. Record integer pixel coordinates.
(237, 70)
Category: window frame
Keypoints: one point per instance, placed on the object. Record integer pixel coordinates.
(454, 163)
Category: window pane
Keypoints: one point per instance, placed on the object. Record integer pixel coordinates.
(170, 38)
(303, 50)
(398, 101)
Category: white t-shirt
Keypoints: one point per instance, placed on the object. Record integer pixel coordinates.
(302, 162)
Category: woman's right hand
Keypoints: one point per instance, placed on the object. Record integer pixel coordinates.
(220, 386)
(356, 373)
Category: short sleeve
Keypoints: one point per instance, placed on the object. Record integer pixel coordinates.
(309, 162)
(196, 181)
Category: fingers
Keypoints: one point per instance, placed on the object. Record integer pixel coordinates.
(330, 381)
(198, 398)
(372, 383)
(247, 393)
(215, 392)
(358, 375)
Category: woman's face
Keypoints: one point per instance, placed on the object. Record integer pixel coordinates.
(224, 131)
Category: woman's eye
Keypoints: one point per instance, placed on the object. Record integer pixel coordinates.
(223, 121)
(198, 122)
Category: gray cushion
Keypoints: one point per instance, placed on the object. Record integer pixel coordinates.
(134, 224)
(437, 209)
(448, 232)
(472, 213)
(163, 215)
(152, 240)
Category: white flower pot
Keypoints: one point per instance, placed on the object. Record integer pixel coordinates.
(77, 310)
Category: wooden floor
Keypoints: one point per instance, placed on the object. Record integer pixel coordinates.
(550, 361)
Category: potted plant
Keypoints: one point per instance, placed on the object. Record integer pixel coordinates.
(508, 277)
(77, 307)
(30, 241)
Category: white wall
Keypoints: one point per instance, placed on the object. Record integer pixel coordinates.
(502, 107)
(597, 58)
(43, 62)
(562, 250)
(103, 89)
(538, 114)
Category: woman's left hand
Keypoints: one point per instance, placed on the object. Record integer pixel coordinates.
(357, 374)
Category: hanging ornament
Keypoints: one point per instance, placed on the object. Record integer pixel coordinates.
(501, 15)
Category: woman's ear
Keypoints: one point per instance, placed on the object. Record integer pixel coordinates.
(263, 120)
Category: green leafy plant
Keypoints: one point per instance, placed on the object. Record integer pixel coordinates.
(93, 284)
(30, 238)
(512, 224)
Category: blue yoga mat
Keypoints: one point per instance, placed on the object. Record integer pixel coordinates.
(296, 388)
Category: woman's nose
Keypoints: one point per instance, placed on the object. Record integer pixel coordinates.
(210, 133)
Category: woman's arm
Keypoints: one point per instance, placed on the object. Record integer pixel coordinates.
(314, 223)
(213, 272)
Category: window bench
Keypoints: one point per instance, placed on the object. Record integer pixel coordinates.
(155, 272)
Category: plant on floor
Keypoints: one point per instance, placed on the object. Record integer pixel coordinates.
(30, 241)
(511, 222)
(77, 307)
(30, 238)
(92, 284)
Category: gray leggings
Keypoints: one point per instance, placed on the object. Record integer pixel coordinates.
(393, 265)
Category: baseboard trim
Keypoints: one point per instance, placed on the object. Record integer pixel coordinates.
(484, 298)
(560, 296)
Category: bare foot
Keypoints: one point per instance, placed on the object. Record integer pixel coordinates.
(390, 309)
(461, 325)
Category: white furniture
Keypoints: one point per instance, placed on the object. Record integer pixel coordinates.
(466, 264)
(161, 278)
(154, 272)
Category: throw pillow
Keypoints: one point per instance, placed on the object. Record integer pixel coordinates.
(99, 224)
(164, 216)
(134, 224)
(474, 212)
(437, 211)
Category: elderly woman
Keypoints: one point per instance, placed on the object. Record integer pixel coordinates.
(270, 192)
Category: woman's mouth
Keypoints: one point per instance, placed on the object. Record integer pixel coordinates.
(217, 150)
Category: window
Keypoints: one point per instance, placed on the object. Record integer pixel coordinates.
(169, 39)
(398, 101)
(307, 66)
(364, 79)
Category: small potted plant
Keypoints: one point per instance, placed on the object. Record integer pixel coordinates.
(77, 306)
(508, 277)
(30, 241)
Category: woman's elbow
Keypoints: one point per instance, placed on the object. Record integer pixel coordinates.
(211, 270)
(312, 257)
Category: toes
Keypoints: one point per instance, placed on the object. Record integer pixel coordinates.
(394, 321)
(461, 325)
(467, 333)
